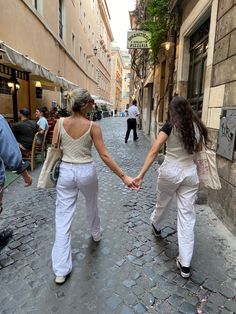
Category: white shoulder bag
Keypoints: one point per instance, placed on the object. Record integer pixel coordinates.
(50, 170)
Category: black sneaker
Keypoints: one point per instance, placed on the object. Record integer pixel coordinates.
(184, 271)
(5, 236)
(156, 232)
(136, 139)
(125, 141)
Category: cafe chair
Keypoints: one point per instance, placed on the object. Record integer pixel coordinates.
(38, 150)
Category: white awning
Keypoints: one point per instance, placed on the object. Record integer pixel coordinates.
(14, 59)
(101, 101)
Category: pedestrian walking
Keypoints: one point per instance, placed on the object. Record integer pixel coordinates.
(177, 175)
(10, 156)
(133, 112)
(78, 173)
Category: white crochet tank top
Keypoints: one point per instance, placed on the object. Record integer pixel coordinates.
(78, 150)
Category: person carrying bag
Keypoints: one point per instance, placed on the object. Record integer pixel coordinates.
(205, 160)
(50, 170)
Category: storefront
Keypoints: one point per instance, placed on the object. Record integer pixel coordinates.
(25, 83)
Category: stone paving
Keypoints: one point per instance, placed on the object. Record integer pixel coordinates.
(129, 271)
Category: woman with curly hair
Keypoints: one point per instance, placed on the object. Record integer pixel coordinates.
(177, 175)
(78, 173)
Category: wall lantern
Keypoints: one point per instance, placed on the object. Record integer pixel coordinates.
(38, 84)
(14, 85)
(10, 84)
(167, 45)
(95, 50)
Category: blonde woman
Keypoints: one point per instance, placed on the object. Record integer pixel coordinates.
(78, 173)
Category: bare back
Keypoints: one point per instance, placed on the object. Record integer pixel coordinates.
(75, 127)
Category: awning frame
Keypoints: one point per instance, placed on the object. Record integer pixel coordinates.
(14, 59)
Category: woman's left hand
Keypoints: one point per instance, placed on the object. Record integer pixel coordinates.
(137, 182)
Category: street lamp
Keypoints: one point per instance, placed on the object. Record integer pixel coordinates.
(95, 50)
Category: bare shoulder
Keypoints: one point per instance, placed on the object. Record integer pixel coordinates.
(96, 126)
(96, 130)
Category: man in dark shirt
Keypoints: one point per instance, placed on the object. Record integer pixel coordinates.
(24, 130)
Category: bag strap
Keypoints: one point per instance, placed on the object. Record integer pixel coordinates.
(90, 127)
(59, 132)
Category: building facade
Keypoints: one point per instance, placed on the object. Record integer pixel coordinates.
(206, 76)
(126, 57)
(51, 46)
(116, 78)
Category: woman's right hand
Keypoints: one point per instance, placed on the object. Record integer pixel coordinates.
(128, 181)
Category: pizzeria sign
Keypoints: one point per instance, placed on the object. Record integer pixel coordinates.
(139, 40)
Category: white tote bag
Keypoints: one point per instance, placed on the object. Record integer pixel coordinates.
(207, 169)
(50, 170)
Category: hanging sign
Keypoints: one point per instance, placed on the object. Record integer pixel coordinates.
(138, 40)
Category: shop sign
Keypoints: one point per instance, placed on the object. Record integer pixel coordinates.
(139, 40)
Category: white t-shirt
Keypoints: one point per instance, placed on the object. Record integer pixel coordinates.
(175, 149)
(133, 112)
(43, 123)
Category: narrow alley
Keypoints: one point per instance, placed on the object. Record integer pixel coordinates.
(129, 271)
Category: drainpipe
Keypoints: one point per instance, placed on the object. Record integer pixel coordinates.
(29, 95)
(173, 38)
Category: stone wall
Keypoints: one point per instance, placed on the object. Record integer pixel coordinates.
(223, 94)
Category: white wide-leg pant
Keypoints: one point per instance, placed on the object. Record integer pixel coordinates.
(180, 179)
(72, 179)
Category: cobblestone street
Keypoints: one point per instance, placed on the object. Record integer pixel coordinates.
(129, 271)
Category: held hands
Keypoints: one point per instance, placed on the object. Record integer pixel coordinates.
(134, 184)
(128, 181)
(137, 182)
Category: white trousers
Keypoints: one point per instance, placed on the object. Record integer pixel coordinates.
(180, 179)
(72, 179)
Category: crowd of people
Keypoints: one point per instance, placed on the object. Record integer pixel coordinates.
(181, 134)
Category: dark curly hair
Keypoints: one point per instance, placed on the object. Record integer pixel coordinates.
(182, 116)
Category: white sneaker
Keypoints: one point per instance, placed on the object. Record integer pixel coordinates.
(60, 279)
(97, 236)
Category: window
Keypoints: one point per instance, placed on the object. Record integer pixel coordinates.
(4, 88)
(92, 4)
(81, 55)
(73, 43)
(80, 11)
(61, 18)
(84, 21)
(89, 32)
(197, 66)
(36, 4)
